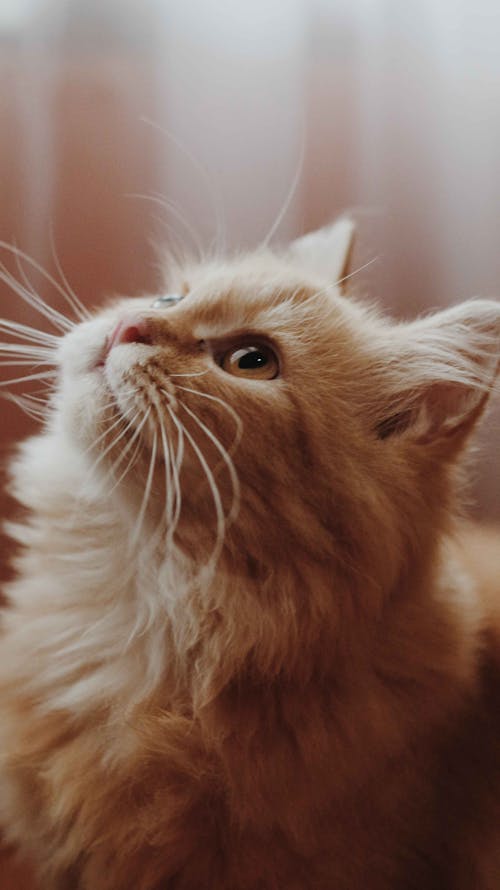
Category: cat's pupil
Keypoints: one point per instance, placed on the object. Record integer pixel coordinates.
(252, 359)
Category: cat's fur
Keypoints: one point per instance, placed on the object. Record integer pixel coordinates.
(299, 688)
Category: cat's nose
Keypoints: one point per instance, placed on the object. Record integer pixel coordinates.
(131, 329)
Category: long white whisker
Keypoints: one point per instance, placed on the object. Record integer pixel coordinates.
(220, 224)
(135, 438)
(176, 472)
(21, 255)
(223, 404)
(233, 512)
(129, 422)
(72, 299)
(25, 403)
(147, 493)
(40, 376)
(34, 301)
(25, 362)
(169, 207)
(356, 271)
(91, 470)
(219, 511)
(169, 490)
(117, 419)
(289, 198)
(194, 374)
(31, 334)
(335, 284)
(26, 349)
(176, 247)
(29, 286)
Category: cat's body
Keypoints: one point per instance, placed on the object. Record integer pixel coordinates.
(299, 688)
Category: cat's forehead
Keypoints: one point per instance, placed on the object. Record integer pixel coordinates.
(244, 292)
(249, 276)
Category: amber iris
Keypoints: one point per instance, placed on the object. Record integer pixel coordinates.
(256, 361)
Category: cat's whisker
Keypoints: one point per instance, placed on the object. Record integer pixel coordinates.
(30, 288)
(289, 196)
(339, 281)
(129, 422)
(218, 206)
(233, 512)
(147, 493)
(28, 352)
(135, 437)
(237, 420)
(91, 470)
(168, 206)
(25, 403)
(69, 298)
(28, 333)
(176, 468)
(38, 376)
(115, 419)
(191, 231)
(131, 462)
(219, 510)
(32, 299)
(169, 488)
(24, 350)
(176, 472)
(176, 249)
(193, 374)
(74, 301)
(42, 400)
(357, 271)
(18, 255)
(26, 363)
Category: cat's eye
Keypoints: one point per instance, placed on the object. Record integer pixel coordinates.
(166, 300)
(253, 360)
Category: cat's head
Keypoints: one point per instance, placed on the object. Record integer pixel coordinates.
(255, 409)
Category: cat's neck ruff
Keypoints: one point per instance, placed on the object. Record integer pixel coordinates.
(115, 628)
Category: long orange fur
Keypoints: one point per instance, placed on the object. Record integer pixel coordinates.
(310, 701)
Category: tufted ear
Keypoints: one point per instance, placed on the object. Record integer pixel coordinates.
(326, 252)
(442, 374)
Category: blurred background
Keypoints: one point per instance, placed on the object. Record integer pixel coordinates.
(128, 124)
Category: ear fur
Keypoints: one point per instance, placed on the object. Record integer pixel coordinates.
(444, 374)
(326, 252)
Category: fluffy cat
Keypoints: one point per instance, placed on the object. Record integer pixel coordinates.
(243, 650)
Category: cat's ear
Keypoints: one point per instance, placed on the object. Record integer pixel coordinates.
(327, 251)
(443, 374)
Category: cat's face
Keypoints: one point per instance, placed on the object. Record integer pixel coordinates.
(258, 407)
(234, 395)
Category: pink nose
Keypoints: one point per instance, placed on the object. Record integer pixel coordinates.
(132, 329)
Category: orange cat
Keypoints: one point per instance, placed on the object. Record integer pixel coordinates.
(242, 651)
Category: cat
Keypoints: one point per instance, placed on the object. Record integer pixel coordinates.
(244, 649)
